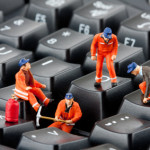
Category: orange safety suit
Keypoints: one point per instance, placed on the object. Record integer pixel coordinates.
(142, 86)
(29, 95)
(74, 114)
(104, 50)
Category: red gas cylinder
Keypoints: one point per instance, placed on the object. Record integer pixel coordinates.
(12, 110)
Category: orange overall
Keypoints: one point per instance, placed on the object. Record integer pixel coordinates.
(142, 86)
(104, 50)
(29, 95)
(74, 114)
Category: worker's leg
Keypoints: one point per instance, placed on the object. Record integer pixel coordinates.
(111, 68)
(99, 67)
(56, 125)
(33, 101)
(39, 94)
(142, 86)
(66, 128)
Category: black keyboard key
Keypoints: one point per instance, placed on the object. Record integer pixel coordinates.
(135, 32)
(133, 105)
(2, 147)
(5, 95)
(141, 4)
(56, 13)
(94, 17)
(9, 58)
(26, 1)
(10, 133)
(125, 56)
(55, 74)
(8, 6)
(131, 11)
(52, 138)
(22, 33)
(65, 44)
(4, 84)
(19, 12)
(124, 131)
(1, 16)
(103, 147)
(100, 103)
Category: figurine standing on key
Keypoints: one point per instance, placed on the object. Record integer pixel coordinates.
(27, 87)
(106, 45)
(144, 71)
(69, 111)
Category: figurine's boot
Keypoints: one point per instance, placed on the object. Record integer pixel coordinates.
(111, 70)
(97, 84)
(113, 84)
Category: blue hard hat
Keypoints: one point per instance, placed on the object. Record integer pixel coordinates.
(131, 67)
(23, 61)
(107, 33)
(68, 96)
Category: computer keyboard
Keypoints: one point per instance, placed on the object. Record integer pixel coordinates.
(52, 138)
(56, 36)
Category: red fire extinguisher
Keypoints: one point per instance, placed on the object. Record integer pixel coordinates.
(12, 110)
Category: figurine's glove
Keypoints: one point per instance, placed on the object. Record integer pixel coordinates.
(93, 57)
(145, 100)
(43, 86)
(113, 57)
(69, 121)
(28, 88)
(56, 118)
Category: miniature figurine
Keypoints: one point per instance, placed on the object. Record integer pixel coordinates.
(144, 71)
(67, 110)
(27, 87)
(106, 45)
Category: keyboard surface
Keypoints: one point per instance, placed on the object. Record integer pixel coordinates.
(56, 36)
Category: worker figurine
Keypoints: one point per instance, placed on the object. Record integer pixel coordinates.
(67, 110)
(106, 45)
(144, 71)
(27, 87)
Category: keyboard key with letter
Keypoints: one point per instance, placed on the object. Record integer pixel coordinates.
(135, 32)
(56, 13)
(98, 103)
(22, 33)
(65, 44)
(9, 58)
(52, 138)
(55, 74)
(93, 17)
